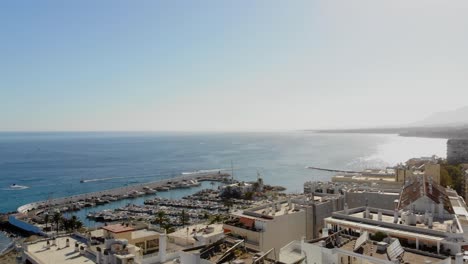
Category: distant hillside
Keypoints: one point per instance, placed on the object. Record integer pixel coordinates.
(449, 124)
(430, 132)
(453, 118)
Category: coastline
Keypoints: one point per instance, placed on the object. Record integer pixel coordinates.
(419, 132)
(61, 201)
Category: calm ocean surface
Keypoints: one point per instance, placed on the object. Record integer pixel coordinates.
(52, 164)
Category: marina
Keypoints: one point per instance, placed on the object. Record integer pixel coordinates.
(173, 194)
(78, 202)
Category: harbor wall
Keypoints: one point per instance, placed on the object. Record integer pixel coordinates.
(457, 151)
(118, 191)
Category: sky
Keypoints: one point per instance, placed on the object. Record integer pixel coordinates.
(229, 65)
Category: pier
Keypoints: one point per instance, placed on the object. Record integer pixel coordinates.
(142, 188)
(331, 170)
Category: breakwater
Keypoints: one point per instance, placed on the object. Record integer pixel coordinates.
(330, 170)
(121, 191)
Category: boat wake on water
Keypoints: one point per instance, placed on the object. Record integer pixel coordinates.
(16, 187)
(100, 179)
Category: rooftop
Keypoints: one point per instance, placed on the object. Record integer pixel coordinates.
(144, 233)
(370, 249)
(57, 254)
(118, 228)
(387, 230)
(436, 225)
(270, 211)
(424, 187)
(189, 233)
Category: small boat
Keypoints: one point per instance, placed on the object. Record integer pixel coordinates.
(194, 183)
(149, 190)
(15, 186)
(134, 194)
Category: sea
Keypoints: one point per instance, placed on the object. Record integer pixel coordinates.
(51, 164)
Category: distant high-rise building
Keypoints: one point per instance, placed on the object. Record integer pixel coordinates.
(457, 151)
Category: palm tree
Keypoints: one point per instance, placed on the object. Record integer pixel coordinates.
(160, 218)
(73, 222)
(216, 219)
(78, 225)
(57, 218)
(46, 219)
(168, 227)
(183, 218)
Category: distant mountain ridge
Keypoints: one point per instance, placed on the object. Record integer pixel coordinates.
(457, 117)
(448, 124)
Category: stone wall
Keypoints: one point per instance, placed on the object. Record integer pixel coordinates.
(457, 151)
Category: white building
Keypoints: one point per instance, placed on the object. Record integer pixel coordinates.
(345, 249)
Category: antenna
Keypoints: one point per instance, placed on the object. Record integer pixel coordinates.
(232, 171)
(49, 200)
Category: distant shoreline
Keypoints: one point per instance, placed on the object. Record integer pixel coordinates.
(421, 132)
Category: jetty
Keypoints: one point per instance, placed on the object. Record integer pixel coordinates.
(94, 198)
(331, 170)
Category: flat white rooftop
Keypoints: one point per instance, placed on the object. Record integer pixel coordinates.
(390, 231)
(144, 233)
(57, 254)
(436, 225)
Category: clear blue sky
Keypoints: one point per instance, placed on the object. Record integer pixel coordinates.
(229, 65)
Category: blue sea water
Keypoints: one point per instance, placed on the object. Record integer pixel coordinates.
(52, 164)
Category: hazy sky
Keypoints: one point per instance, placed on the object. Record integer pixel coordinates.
(229, 65)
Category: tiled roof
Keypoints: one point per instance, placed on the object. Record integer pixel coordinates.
(421, 187)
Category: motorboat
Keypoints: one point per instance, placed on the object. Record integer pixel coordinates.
(149, 190)
(15, 186)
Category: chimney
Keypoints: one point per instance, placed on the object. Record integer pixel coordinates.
(324, 232)
(105, 259)
(346, 208)
(395, 216)
(379, 217)
(441, 208)
(459, 258)
(162, 247)
(98, 255)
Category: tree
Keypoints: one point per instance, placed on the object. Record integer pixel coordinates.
(228, 203)
(78, 225)
(184, 218)
(57, 218)
(451, 175)
(160, 218)
(75, 223)
(46, 220)
(216, 219)
(206, 215)
(168, 227)
(248, 195)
